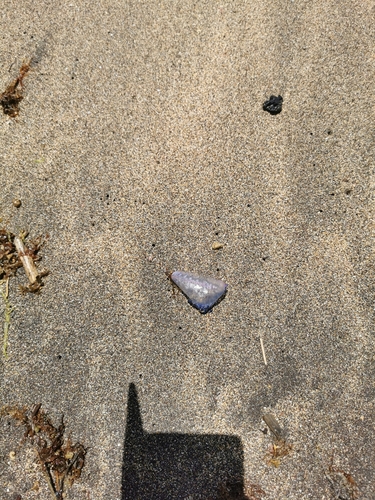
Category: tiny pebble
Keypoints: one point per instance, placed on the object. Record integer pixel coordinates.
(216, 245)
(17, 203)
(12, 455)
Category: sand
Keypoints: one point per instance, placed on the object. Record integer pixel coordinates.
(141, 140)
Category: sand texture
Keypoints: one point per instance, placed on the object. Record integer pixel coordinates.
(140, 144)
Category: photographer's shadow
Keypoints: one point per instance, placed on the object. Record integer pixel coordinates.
(159, 466)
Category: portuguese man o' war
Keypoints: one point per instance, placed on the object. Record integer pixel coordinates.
(203, 293)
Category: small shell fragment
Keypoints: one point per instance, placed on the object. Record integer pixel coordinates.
(203, 293)
(273, 425)
(216, 245)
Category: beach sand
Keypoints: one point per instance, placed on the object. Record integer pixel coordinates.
(141, 140)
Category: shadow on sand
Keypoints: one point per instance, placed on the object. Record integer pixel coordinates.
(159, 466)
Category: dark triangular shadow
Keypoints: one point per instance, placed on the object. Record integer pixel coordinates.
(159, 466)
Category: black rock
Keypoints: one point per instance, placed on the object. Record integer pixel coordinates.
(273, 105)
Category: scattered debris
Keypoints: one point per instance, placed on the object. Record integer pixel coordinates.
(343, 484)
(202, 293)
(17, 203)
(263, 351)
(216, 245)
(273, 425)
(14, 253)
(9, 260)
(61, 462)
(273, 105)
(13, 94)
(277, 451)
(280, 448)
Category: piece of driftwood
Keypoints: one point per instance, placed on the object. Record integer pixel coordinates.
(273, 425)
(27, 261)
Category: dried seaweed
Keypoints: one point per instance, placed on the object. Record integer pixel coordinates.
(342, 483)
(60, 460)
(278, 450)
(12, 96)
(9, 259)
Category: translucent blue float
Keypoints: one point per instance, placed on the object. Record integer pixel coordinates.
(203, 293)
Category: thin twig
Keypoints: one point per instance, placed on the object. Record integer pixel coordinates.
(66, 472)
(263, 351)
(49, 479)
(8, 309)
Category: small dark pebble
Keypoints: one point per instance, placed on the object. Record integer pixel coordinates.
(17, 203)
(273, 105)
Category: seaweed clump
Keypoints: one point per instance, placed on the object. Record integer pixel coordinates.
(342, 483)
(9, 259)
(278, 450)
(61, 461)
(12, 96)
